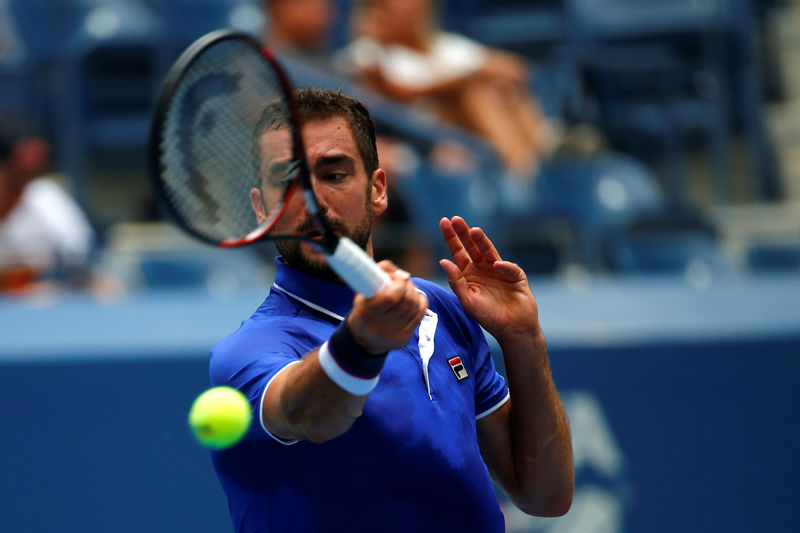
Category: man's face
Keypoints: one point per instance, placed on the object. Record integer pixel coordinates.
(347, 197)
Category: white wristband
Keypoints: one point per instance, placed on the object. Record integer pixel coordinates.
(347, 381)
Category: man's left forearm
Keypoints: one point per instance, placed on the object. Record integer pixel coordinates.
(540, 435)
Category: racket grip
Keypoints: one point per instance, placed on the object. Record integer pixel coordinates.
(357, 268)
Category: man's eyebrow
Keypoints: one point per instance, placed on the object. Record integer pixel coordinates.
(333, 160)
(280, 172)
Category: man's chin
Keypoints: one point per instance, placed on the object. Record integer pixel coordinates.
(308, 259)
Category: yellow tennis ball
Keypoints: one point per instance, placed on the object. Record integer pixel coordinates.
(220, 417)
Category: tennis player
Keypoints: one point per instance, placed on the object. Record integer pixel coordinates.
(387, 414)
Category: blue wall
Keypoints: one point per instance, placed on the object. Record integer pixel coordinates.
(103, 446)
(706, 432)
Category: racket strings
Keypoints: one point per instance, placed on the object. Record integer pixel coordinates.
(210, 136)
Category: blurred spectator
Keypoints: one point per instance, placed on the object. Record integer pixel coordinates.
(301, 29)
(401, 52)
(44, 235)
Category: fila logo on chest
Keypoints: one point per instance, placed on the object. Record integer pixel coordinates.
(458, 368)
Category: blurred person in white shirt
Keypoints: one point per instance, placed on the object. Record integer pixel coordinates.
(401, 51)
(44, 234)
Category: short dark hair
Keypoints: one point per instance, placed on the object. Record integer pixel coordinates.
(322, 104)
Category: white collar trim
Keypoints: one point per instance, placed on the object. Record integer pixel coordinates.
(312, 305)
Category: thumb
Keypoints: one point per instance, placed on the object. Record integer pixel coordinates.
(454, 277)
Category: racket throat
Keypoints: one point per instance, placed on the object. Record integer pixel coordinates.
(329, 241)
(356, 268)
(329, 245)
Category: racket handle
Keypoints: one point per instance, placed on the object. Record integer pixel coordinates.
(357, 268)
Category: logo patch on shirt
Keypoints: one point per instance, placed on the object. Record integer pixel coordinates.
(458, 368)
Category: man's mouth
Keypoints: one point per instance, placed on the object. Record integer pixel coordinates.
(308, 230)
(314, 233)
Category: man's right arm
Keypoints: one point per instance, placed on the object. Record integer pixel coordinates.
(304, 402)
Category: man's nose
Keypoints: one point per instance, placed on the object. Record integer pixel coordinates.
(322, 200)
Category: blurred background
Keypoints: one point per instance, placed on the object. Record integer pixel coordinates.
(641, 160)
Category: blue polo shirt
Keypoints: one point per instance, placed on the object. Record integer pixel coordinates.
(410, 463)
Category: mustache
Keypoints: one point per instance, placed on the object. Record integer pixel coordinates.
(308, 226)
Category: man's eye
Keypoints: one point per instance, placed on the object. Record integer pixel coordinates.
(282, 173)
(335, 176)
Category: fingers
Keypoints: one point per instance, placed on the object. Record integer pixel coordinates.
(460, 255)
(399, 290)
(454, 277)
(397, 304)
(450, 269)
(484, 244)
(467, 244)
(393, 270)
(387, 320)
(462, 230)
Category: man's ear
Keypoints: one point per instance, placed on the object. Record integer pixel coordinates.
(258, 205)
(378, 196)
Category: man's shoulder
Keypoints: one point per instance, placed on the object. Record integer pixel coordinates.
(431, 288)
(267, 329)
(261, 338)
(439, 297)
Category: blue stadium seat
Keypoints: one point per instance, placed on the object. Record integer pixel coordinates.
(46, 26)
(624, 222)
(105, 86)
(718, 75)
(43, 28)
(600, 192)
(769, 258)
(637, 18)
(541, 240)
(159, 256)
(530, 27)
(21, 95)
(678, 242)
(210, 269)
(641, 101)
(188, 20)
(431, 194)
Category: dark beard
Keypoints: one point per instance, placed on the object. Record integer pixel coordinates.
(293, 255)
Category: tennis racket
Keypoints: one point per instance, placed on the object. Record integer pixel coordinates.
(212, 169)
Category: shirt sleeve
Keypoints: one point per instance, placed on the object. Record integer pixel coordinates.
(490, 386)
(249, 360)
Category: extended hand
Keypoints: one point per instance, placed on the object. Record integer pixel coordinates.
(494, 292)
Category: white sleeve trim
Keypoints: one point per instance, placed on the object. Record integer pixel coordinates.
(495, 407)
(261, 407)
